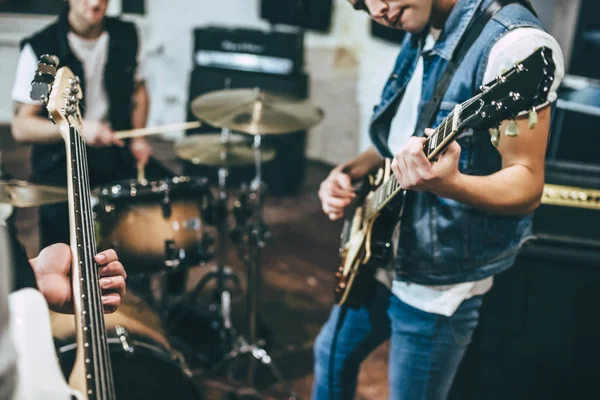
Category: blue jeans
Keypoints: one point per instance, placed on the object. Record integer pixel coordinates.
(425, 348)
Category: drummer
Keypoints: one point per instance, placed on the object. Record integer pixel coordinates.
(105, 53)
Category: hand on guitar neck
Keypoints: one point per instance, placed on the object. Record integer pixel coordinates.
(52, 268)
(414, 171)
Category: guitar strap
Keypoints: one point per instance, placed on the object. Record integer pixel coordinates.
(473, 31)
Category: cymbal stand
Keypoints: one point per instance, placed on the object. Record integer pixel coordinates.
(221, 307)
(251, 235)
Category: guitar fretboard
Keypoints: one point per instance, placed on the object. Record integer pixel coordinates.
(98, 370)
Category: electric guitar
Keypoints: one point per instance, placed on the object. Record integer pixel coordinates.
(371, 219)
(61, 92)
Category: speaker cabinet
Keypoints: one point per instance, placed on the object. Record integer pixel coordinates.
(309, 14)
(284, 174)
(538, 333)
(133, 7)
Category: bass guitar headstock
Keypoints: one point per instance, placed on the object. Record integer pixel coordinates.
(60, 91)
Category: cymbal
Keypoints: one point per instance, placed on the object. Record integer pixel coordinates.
(256, 112)
(207, 149)
(26, 194)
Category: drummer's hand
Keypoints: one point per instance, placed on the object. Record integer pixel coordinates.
(52, 268)
(141, 150)
(99, 134)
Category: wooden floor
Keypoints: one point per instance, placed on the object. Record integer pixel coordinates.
(296, 289)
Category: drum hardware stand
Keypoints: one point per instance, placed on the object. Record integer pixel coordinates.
(251, 235)
(221, 273)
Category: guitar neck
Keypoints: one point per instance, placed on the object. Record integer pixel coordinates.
(92, 347)
(434, 145)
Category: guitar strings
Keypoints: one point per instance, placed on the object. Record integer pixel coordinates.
(96, 308)
(107, 365)
(89, 306)
(105, 355)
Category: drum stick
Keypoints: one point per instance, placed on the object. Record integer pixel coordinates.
(141, 175)
(131, 133)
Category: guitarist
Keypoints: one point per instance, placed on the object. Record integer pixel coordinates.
(105, 53)
(467, 214)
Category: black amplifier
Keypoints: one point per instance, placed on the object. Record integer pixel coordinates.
(570, 209)
(271, 52)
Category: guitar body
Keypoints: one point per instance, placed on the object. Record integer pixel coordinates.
(39, 372)
(368, 245)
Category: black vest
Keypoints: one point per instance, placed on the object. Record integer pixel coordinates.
(106, 164)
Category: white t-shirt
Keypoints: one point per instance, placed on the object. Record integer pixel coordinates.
(512, 48)
(93, 54)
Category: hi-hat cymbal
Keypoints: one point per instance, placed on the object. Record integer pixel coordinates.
(26, 194)
(256, 112)
(207, 149)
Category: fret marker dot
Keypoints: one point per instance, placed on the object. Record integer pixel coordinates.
(87, 360)
(89, 376)
(87, 345)
(90, 391)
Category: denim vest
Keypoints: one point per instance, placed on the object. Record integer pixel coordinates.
(443, 241)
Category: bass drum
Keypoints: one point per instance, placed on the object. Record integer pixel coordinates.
(145, 366)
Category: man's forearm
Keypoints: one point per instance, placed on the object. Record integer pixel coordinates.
(363, 164)
(31, 128)
(141, 104)
(515, 190)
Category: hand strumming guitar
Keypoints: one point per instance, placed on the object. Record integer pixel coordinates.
(52, 268)
(336, 193)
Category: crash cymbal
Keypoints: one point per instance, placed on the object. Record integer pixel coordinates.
(26, 194)
(256, 112)
(207, 149)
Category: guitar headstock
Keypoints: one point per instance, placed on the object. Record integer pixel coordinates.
(524, 87)
(59, 89)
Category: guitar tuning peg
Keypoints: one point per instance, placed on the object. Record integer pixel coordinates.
(533, 118)
(495, 139)
(512, 129)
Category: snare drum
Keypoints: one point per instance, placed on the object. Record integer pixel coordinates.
(144, 364)
(155, 225)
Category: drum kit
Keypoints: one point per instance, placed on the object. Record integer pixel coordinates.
(179, 222)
